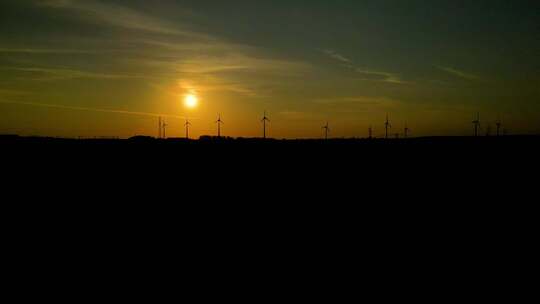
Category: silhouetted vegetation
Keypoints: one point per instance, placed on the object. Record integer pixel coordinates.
(209, 141)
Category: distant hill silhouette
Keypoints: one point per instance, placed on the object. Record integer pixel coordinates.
(435, 140)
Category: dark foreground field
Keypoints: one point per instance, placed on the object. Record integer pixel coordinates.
(397, 151)
(382, 162)
(446, 205)
(446, 175)
(140, 142)
(419, 169)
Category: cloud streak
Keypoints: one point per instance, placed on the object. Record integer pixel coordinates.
(458, 73)
(46, 51)
(86, 109)
(336, 56)
(119, 16)
(358, 100)
(370, 75)
(50, 74)
(380, 76)
(174, 51)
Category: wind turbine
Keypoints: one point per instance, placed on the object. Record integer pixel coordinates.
(160, 128)
(498, 123)
(476, 124)
(264, 120)
(370, 130)
(187, 128)
(406, 131)
(387, 125)
(164, 126)
(219, 123)
(326, 131)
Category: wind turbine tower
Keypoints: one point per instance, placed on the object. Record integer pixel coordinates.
(370, 131)
(498, 123)
(387, 126)
(219, 123)
(264, 120)
(187, 128)
(406, 131)
(326, 131)
(164, 125)
(160, 128)
(476, 124)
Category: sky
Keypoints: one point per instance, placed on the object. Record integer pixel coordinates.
(91, 68)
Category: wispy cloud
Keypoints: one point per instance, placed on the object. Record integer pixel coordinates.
(371, 75)
(45, 51)
(178, 51)
(358, 100)
(11, 92)
(337, 56)
(86, 109)
(381, 76)
(299, 116)
(120, 16)
(458, 73)
(49, 74)
(238, 62)
(212, 83)
(354, 105)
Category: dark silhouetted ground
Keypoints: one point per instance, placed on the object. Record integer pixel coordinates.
(236, 175)
(454, 206)
(348, 159)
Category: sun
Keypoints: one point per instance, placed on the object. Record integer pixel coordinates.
(191, 101)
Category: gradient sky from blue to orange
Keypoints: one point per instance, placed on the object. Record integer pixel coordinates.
(109, 68)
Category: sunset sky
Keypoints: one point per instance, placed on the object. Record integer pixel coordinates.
(110, 68)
